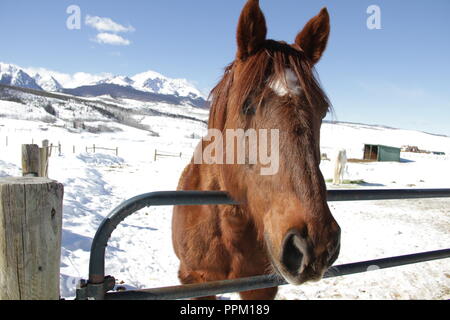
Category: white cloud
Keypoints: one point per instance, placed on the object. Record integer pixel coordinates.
(112, 39)
(107, 25)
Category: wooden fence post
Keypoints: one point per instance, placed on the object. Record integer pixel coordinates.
(35, 160)
(30, 238)
(31, 162)
(44, 159)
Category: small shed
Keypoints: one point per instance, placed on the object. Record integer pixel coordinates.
(381, 153)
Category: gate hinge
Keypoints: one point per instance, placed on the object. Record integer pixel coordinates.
(94, 291)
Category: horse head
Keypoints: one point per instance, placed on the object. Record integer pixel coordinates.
(271, 87)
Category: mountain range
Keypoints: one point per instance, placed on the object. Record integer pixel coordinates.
(148, 86)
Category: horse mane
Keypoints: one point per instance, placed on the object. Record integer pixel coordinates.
(270, 62)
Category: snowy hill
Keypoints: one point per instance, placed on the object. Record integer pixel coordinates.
(353, 136)
(76, 113)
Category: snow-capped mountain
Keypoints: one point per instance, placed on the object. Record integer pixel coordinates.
(117, 80)
(151, 81)
(15, 76)
(147, 86)
(48, 83)
(154, 82)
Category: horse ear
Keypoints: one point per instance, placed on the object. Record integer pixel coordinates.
(252, 30)
(313, 38)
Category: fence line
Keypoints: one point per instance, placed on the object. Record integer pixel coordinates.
(94, 148)
(165, 154)
(51, 147)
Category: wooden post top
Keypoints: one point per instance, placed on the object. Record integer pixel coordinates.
(25, 180)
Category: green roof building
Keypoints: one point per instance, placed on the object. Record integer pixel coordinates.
(381, 153)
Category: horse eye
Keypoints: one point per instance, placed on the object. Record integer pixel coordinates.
(248, 108)
(298, 130)
(325, 113)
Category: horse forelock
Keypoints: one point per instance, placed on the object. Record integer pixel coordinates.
(276, 64)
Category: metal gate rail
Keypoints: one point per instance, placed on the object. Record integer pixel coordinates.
(268, 281)
(97, 285)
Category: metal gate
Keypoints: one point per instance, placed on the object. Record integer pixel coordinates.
(98, 286)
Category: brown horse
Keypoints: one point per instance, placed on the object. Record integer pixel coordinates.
(283, 224)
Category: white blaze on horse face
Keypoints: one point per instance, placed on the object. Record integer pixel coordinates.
(289, 85)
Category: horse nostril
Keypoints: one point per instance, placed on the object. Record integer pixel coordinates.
(291, 257)
(293, 254)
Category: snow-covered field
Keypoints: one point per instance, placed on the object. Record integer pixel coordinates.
(140, 253)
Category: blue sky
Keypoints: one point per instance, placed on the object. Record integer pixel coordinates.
(397, 76)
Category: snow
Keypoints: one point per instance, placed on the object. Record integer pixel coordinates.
(140, 253)
(14, 109)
